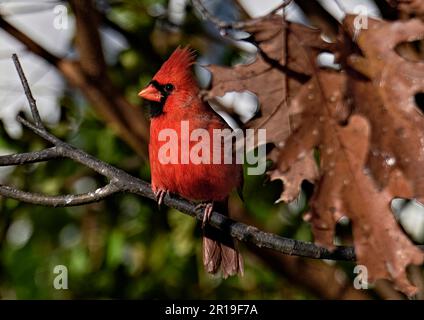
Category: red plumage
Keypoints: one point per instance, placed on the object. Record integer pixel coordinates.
(174, 94)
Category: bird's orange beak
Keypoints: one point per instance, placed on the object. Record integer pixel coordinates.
(150, 93)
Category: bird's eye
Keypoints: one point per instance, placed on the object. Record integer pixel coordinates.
(169, 87)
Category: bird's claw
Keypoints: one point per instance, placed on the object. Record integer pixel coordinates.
(160, 194)
(208, 209)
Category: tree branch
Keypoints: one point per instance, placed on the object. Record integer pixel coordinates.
(120, 181)
(62, 200)
(30, 157)
(88, 38)
(28, 42)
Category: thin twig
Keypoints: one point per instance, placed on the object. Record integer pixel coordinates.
(199, 6)
(120, 181)
(28, 93)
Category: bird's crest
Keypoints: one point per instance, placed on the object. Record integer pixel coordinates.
(177, 67)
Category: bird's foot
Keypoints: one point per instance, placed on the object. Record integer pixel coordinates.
(208, 209)
(160, 194)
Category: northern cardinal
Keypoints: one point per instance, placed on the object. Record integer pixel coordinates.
(174, 97)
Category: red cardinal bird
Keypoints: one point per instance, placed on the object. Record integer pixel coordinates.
(174, 96)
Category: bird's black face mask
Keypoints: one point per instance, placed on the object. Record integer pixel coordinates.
(156, 107)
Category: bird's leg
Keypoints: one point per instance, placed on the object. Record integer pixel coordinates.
(160, 194)
(208, 209)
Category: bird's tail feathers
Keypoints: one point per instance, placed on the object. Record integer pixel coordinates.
(220, 253)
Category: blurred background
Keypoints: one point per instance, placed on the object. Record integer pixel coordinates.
(125, 247)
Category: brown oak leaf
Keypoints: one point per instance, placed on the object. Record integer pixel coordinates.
(385, 96)
(280, 69)
(345, 186)
(380, 244)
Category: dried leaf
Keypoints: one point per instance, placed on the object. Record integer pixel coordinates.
(304, 169)
(380, 244)
(276, 75)
(386, 98)
(346, 187)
